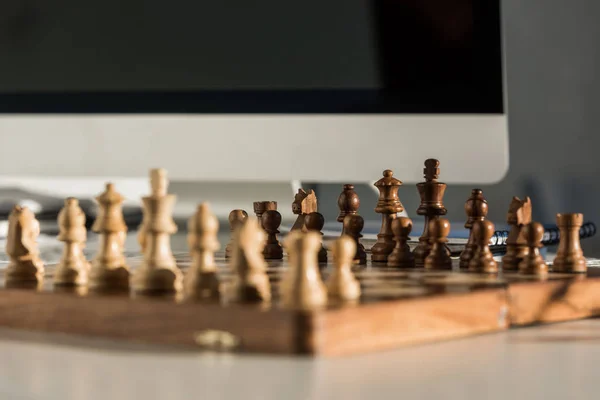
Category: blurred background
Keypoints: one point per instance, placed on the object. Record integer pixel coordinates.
(551, 62)
(553, 90)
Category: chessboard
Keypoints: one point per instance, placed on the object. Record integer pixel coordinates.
(298, 293)
(396, 308)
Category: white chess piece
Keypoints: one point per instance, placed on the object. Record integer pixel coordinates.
(342, 284)
(304, 287)
(201, 281)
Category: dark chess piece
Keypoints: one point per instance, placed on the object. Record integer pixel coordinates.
(432, 193)
(261, 206)
(533, 263)
(314, 222)
(388, 206)
(348, 203)
(569, 257)
(438, 257)
(304, 204)
(476, 208)
(353, 225)
(271, 219)
(236, 219)
(519, 215)
(482, 259)
(401, 256)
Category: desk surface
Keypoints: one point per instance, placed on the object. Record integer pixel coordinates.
(558, 361)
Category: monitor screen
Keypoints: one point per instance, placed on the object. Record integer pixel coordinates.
(269, 56)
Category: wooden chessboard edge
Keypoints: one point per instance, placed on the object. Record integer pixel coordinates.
(553, 301)
(149, 320)
(326, 332)
(384, 326)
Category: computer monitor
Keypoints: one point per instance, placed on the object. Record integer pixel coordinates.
(265, 91)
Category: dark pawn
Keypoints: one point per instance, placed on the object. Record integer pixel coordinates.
(314, 222)
(482, 259)
(476, 208)
(401, 256)
(533, 263)
(438, 257)
(348, 203)
(261, 206)
(236, 219)
(353, 225)
(271, 219)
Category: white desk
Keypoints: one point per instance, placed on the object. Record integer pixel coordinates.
(560, 361)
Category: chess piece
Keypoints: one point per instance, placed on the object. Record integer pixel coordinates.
(348, 203)
(533, 263)
(109, 272)
(353, 225)
(158, 273)
(569, 257)
(288, 244)
(261, 206)
(314, 222)
(519, 215)
(476, 208)
(304, 204)
(236, 219)
(438, 257)
(201, 282)
(250, 283)
(388, 206)
(482, 259)
(158, 187)
(305, 289)
(342, 284)
(432, 193)
(271, 220)
(73, 268)
(401, 256)
(25, 268)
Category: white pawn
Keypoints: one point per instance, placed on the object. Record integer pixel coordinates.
(342, 284)
(73, 268)
(201, 281)
(290, 274)
(304, 287)
(251, 282)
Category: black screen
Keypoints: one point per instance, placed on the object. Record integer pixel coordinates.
(358, 56)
